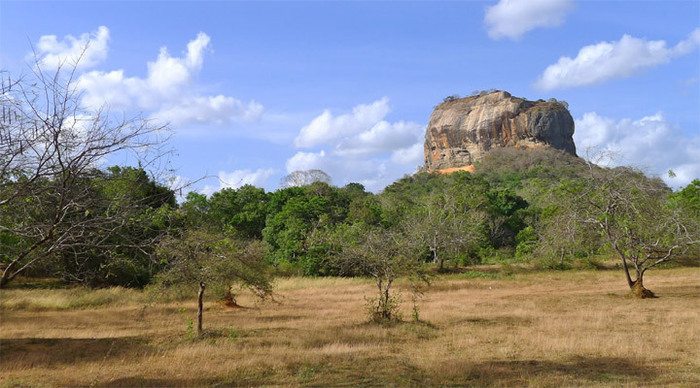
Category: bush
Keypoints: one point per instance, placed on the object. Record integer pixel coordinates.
(552, 263)
(491, 255)
(526, 241)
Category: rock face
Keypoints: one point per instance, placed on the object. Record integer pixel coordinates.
(462, 130)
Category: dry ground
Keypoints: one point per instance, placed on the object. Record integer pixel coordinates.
(541, 329)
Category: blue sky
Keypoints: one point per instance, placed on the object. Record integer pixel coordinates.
(254, 90)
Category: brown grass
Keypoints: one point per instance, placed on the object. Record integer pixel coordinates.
(541, 329)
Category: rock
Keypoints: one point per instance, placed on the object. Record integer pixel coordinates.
(462, 130)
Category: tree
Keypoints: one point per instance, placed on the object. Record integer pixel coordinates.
(505, 215)
(51, 151)
(304, 178)
(560, 236)
(633, 215)
(223, 263)
(295, 214)
(688, 199)
(244, 210)
(196, 209)
(448, 221)
(124, 254)
(385, 255)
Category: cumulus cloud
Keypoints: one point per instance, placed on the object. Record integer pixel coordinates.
(650, 143)
(359, 146)
(306, 161)
(212, 109)
(361, 132)
(513, 18)
(412, 155)
(326, 127)
(85, 51)
(616, 59)
(167, 92)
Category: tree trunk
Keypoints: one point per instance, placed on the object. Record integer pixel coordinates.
(630, 282)
(200, 308)
(7, 274)
(561, 259)
(638, 289)
(386, 311)
(230, 299)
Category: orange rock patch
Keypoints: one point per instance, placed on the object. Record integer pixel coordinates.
(468, 168)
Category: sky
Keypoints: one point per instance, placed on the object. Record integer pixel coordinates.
(255, 90)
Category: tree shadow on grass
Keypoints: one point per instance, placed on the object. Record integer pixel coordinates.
(494, 321)
(136, 381)
(21, 353)
(576, 370)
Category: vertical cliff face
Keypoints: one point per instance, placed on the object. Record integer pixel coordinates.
(462, 130)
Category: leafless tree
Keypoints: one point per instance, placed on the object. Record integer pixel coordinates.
(51, 148)
(304, 178)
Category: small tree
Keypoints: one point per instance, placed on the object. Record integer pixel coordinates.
(384, 254)
(223, 264)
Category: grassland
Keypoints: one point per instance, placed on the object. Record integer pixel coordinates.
(540, 329)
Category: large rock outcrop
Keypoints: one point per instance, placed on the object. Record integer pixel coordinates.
(462, 130)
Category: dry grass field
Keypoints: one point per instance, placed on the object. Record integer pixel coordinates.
(539, 328)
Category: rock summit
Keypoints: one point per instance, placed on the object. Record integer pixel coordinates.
(462, 130)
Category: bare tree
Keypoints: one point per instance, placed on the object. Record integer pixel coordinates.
(51, 149)
(305, 178)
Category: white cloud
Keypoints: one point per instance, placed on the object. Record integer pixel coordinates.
(306, 161)
(650, 143)
(383, 136)
(212, 109)
(326, 128)
(617, 59)
(167, 92)
(360, 146)
(238, 178)
(87, 50)
(362, 132)
(513, 18)
(412, 156)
